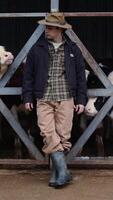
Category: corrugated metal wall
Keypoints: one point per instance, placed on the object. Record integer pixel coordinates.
(15, 32)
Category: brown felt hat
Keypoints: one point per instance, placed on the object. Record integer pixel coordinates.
(55, 19)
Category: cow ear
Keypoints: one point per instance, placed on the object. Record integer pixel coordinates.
(2, 48)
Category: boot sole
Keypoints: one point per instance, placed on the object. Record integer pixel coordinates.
(52, 184)
(58, 186)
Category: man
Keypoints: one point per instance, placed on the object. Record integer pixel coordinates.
(55, 77)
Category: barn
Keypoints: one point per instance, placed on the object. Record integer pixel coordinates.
(92, 23)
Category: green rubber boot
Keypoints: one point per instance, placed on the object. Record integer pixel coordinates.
(63, 175)
(52, 181)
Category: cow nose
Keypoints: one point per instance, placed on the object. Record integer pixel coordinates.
(89, 109)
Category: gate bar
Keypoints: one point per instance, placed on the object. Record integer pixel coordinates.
(97, 92)
(67, 14)
(54, 5)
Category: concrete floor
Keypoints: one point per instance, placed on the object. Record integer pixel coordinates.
(33, 185)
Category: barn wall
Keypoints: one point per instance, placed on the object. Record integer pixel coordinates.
(15, 32)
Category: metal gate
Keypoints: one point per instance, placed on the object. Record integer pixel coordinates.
(108, 91)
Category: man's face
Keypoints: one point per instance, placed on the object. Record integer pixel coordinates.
(52, 32)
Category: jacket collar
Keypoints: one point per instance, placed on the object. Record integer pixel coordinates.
(43, 42)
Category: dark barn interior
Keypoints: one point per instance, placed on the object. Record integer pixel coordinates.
(96, 33)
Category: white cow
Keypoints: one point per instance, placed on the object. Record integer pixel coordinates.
(6, 58)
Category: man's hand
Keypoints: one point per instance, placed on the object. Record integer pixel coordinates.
(29, 106)
(79, 108)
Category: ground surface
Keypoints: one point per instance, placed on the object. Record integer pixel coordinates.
(33, 185)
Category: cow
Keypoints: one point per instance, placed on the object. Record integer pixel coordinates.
(14, 103)
(6, 58)
(94, 104)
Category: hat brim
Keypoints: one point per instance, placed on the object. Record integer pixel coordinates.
(65, 26)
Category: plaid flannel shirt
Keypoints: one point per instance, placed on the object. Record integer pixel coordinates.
(57, 88)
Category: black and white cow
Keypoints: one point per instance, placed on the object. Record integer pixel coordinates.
(94, 104)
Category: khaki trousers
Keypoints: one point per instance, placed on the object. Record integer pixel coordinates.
(55, 122)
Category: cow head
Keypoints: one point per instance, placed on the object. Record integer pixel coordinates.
(94, 104)
(6, 57)
(90, 109)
